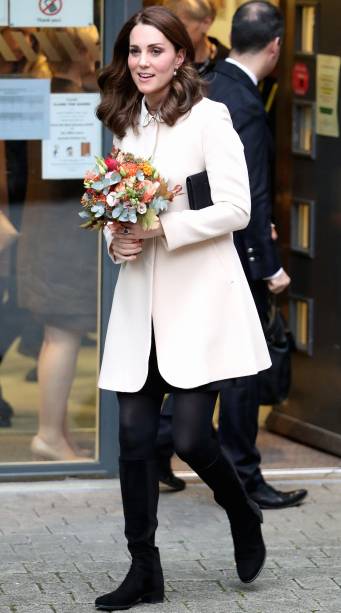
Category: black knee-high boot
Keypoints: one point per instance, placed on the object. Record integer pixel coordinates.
(244, 515)
(144, 581)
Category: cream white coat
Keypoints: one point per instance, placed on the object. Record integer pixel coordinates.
(190, 282)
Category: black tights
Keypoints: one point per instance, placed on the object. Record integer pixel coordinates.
(192, 426)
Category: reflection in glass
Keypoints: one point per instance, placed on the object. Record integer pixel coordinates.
(305, 29)
(303, 134)
(301, 323)
(48, 279)
(303, 226)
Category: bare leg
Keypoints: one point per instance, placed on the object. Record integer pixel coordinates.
(56, 371)
(85, 452)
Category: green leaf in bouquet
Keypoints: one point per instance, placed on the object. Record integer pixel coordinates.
(101, 164)
(132, 216)
(116, 212)
(148, 220)
(100, 185)
(159, 204)
(98, 209)
(87, 224)
(115, 178)
(124, 215)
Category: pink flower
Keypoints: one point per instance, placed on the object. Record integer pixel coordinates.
(111, 163)
(150, 190)
(90, 175)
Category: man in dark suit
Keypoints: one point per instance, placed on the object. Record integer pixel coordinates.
(257, 29)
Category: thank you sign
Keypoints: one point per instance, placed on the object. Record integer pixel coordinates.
(51, 13)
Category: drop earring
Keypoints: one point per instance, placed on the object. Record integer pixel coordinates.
(175, 72)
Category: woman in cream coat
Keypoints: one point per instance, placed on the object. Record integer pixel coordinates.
(183, 319)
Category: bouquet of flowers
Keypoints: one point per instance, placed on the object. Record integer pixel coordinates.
(123, 188)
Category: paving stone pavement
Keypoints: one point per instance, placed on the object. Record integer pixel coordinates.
(62, 544)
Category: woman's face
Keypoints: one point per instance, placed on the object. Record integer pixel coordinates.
(152, 60)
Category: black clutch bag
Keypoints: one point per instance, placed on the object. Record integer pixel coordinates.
(199, 191)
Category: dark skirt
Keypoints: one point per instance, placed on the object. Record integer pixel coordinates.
(156, 384)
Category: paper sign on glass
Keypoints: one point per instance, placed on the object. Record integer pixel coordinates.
(75, 136)
(327, 85)
(51, 13)
(3, 12)
(24, 109)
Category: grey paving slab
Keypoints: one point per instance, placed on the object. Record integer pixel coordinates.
(62, 544)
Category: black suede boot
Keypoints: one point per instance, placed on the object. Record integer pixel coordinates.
(144, 581)
(244, 515)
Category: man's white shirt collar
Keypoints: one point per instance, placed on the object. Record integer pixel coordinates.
(244, 69)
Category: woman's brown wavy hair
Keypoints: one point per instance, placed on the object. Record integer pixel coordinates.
(121, 101)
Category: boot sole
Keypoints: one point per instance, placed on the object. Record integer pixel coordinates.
(148, 598)
(258, 573)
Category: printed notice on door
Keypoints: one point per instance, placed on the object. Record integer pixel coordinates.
(24, 109)
(3, 12)
(51, 13)
(327, 85)
(75, 136)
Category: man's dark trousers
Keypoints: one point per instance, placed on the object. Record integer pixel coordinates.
(239, 406)
(239, 409)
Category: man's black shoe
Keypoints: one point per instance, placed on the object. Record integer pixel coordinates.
(174, 483)
(268, 498)
(167, 477)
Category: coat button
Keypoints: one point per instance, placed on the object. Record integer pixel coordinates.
(252, 259)
(250, 250)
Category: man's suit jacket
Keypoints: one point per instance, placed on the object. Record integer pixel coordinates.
(190, 282)
(232, 86)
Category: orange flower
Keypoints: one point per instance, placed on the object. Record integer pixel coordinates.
(130, 168)
(146, 169)
(119, 187)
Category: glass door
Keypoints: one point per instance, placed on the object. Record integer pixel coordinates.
(49, 266)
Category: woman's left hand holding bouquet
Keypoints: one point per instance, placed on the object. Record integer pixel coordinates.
(128, 239)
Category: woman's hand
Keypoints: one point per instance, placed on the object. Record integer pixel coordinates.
(122, 247)
(125, 248)
(135, 231)
(127, 242)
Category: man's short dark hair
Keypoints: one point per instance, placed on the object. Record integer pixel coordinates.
(254, 25)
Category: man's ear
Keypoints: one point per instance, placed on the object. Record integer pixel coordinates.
(274, 45)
